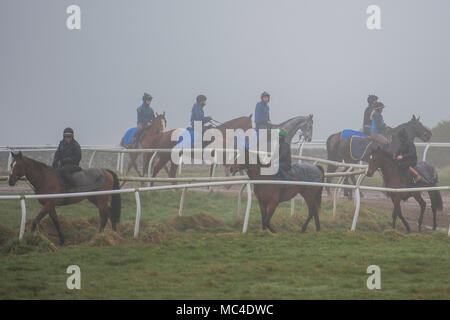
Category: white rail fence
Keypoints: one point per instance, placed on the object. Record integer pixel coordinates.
(22, 198)
(317, 144)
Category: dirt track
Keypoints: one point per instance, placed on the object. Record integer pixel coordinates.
(373, 199)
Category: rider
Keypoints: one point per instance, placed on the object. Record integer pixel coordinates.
(378, 128)
(197, 113)
(68, 156)
(284, 155)
(262, 112)
(145, 115)
(406, 156)
(367, 122)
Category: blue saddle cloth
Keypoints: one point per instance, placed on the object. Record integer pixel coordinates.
(361, 147)
(186, 139)
(349, 133)
(128, 137)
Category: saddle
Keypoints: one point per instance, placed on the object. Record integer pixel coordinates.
(85, 180)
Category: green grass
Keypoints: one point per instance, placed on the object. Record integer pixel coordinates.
(203, 255)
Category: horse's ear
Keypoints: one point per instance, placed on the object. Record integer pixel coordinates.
(19, 155)
(414, 117)
(250, 116)
(310, 116)
(418, 118)
(164, 114)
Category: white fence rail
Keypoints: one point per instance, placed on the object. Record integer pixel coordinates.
(248, 184)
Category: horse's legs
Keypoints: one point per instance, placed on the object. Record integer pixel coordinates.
(394, 217)
(400, 215)
(436, 204)
(269, 213)
(52, 213)
(101, 202)
(312, 212)
(422, 204)
(45, 209)
(263, 208)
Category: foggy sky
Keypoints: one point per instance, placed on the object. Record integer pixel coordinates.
(312, 57)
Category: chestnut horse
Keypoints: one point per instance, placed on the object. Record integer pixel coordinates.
(270, 195)
(44, 180)
(393, 178)
(157, 126)
(164, 141)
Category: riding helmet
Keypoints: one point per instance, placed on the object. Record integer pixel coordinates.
(201, 98)
(68, 132)
(282, 132)
(372, 98)
(147, 97)
(265, 94)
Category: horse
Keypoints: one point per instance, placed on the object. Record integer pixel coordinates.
(269, 195)
(164, 141)
(393, 178)
(339, 149)
(44, 180)
(157, 126)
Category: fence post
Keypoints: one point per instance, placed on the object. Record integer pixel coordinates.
(9, 162)
(92, 159)
(180, 164)
(180, 211)
(300, 151)
(239, 200)
(292, 206)
(340, 181)
(122, 157)
(118, 162)
(358, 201)
(24, 217)
(138, 213)
(424, 157)
(247, 210)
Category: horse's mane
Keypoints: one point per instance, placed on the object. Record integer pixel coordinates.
(37, 164)
(293, 118)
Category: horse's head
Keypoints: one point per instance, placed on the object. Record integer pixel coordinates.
(17, 169)
(307, 128)
(376, 160)
(160, 122)
(246, 161)
(419, 130)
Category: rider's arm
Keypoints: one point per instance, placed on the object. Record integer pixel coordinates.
(56, 158)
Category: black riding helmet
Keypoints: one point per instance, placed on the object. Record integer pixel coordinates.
(265, 94)
(372, 98)
(201, 98)
(147, 97)
(68, 132)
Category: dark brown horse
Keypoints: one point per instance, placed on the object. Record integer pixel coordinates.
(164, 141)
(339, 149)
(393, 178)
(269, 195)
(44, 180)
(156, 127)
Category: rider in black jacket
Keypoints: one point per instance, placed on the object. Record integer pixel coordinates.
(68, 156)
(406, 156)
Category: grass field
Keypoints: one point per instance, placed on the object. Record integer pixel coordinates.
(203, 254)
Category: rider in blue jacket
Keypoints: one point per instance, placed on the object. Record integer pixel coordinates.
(378, 129)
(262, 110)
(197, 113)
(145, 116)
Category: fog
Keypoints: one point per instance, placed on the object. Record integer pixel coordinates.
(313, 57)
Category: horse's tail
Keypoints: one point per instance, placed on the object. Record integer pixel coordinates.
(436, 200)
(116, 202)
(319, 193)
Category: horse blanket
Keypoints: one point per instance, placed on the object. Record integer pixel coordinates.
(427, 171)
(85, 180)
(349, 133)
(306, 172)
(128, 137)
(360, 147)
